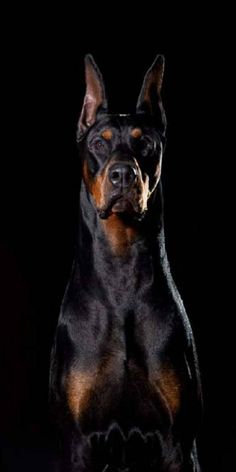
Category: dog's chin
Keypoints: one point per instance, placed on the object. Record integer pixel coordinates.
(122, 207)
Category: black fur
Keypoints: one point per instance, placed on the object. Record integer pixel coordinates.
(124, 381)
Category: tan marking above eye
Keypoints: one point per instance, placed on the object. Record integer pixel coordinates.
(136, 133)
(107, 134)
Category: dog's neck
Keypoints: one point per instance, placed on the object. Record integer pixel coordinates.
(120, 240)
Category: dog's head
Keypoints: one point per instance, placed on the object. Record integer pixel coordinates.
(122, 154)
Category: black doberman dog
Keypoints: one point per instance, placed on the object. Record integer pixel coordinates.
(124, 374)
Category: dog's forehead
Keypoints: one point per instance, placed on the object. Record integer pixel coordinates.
(122, 122)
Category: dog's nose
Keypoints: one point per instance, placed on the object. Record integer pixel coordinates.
(122, 175)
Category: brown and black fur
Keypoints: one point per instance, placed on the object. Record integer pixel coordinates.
(124, 380)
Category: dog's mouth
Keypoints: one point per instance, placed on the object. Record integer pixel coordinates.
(121, 205)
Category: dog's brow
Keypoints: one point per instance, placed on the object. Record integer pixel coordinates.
(136, 133)
(107, 134)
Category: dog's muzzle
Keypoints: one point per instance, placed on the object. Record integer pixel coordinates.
(123, 190)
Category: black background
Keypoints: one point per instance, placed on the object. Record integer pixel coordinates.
(42, 92)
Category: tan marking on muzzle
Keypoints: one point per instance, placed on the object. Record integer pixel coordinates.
(97, 186)
(98, 190)
(140, 190)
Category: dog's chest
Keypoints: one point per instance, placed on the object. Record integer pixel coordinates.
(126, 380)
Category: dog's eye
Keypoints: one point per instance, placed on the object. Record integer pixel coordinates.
(98, 144)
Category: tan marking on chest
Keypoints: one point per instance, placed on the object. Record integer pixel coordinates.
(119, 235)
(168, 382)
(79, 385)
(95, 389)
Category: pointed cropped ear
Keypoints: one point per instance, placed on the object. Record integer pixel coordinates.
(149, 100)
(95, 97)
